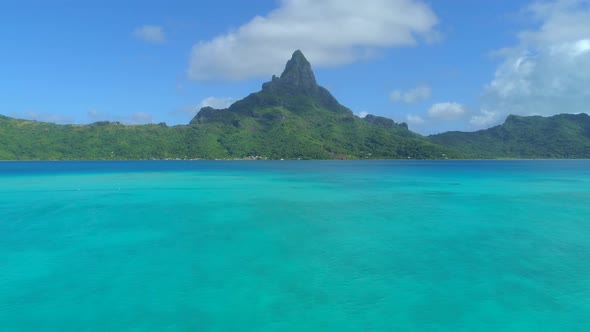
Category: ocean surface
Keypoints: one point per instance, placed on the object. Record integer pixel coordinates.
(295, 246)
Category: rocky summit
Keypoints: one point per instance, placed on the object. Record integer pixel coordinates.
(297, 81)
(297, 76)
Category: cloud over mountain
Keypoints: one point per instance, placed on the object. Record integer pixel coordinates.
(417, 94)
(330, 32)
(216, 102)
(547, 72)
(447, 111)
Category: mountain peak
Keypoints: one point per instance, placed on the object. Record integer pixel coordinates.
(297, 77)
(298, 71)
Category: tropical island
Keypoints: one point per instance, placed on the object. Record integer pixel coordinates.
(292, 117)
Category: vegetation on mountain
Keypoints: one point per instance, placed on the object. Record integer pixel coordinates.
(292, 117)
(295, 118)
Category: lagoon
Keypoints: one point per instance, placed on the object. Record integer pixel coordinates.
(295, 246)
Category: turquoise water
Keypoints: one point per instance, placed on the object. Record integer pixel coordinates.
(295, 246)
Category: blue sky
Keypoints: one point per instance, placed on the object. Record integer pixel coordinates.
(437, 65)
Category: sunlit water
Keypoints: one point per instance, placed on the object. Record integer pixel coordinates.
(295, 246)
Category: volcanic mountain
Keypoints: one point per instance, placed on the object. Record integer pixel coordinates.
(293, 117)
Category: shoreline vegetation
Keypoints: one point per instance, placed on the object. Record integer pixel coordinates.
(563, 136)
(292, 118)
(291, 160)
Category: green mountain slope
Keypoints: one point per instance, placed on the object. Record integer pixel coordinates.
(559, 136)
(292, 117)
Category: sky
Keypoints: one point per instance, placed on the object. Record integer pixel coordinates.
(437, 65)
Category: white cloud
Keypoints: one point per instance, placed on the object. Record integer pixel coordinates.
(484, 119)
(447, 111)
(153, 34)
(417, 94)
(329, 32)
(547, 71)
(216, 102)
(95, 115)
(186, 109)
(414, 119)
(43, 117)
(362, 114)
(136, 118)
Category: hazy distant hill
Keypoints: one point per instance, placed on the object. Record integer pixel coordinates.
(559, 136)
